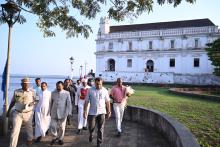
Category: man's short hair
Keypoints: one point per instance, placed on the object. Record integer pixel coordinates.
(60, 82)
(44, 83)
(98, 79)
(90, 80)
(66, 80)
(119, 79)
(25, 80)
(37, 79)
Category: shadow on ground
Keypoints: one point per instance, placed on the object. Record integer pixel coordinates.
(134, 135)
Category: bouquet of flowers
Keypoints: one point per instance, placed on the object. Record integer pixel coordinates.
(128, 92)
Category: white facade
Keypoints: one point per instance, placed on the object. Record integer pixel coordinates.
(154, 56)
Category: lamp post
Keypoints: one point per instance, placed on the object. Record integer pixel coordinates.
(81, 70)
(71, 66)
(10, 13)
(85, 67)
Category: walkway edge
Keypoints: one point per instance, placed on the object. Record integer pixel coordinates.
(176, 133)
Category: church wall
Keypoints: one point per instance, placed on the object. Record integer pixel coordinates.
(135, 46)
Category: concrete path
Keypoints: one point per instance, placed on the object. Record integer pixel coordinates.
(134, 135)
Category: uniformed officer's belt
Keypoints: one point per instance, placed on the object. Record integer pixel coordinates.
(22, 112)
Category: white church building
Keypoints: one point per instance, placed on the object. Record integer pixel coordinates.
(164, 52)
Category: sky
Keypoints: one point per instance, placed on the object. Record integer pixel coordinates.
(32, 54)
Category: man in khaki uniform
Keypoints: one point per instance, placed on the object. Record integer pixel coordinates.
(23, 104)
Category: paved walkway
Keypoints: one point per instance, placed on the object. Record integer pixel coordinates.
(134, 135)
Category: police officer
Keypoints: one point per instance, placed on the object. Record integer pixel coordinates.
(23, 105)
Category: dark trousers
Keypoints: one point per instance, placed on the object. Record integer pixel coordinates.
(100, 121)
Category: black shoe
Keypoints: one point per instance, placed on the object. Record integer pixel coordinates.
(119, 134)
(85, 128)
(38, 139)
(53, 141)
(47, 133)
(79, 131)
(98, 145)
(90, 138)
(68, 121)
(60, 142)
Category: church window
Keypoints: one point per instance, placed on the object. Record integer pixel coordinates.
(150, 66)
(172, 62)
(110, 45)
(150, 44)
(196, 43)
(196, 62)
(129, 63)
(130, 45)
(172, 43)
(111, 65)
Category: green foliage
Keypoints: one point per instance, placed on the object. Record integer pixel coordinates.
(213, 50)
(62, 13)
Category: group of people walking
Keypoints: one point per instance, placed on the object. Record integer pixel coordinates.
(51, 111)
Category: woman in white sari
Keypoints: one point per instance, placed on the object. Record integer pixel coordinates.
(42, 113)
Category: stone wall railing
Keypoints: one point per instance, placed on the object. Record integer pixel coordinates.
(177, 134)
(157, 33)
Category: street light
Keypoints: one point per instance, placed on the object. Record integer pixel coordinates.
(81, 70)
(71, 66)
(85, 67)
(10, 13)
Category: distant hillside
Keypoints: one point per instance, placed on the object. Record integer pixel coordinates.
(41, 76)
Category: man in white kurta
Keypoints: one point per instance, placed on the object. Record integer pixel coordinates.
(81, 95)
(78, 85)
(42, 113)
(60, 108)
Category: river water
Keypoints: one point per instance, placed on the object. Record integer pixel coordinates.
(15, 83)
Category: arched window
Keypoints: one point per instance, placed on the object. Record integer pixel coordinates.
(111, 65)
(150, 66)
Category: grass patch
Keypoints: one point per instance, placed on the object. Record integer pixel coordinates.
(202, 117)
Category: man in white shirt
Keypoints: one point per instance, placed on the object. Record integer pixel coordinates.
(78, 85)
(42, 113)
(99, 101)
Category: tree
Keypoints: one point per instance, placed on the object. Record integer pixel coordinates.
(213, 50)
(62, 13)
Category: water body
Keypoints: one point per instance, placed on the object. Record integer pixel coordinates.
(15, 83)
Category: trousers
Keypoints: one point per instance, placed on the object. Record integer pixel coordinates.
(58, 128)
(119, 112)
(17, 119)
(82, 122)
(100, 121)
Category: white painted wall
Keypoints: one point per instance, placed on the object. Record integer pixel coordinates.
(184, 52)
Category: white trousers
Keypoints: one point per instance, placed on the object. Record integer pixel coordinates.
(42, 124)
(58, 128)
(119, 112)
(82, 122)
(17, 119)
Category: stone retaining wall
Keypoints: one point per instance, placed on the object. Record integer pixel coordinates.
(1, 125)
(177, 134)
(161, 78)
(202, 96)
